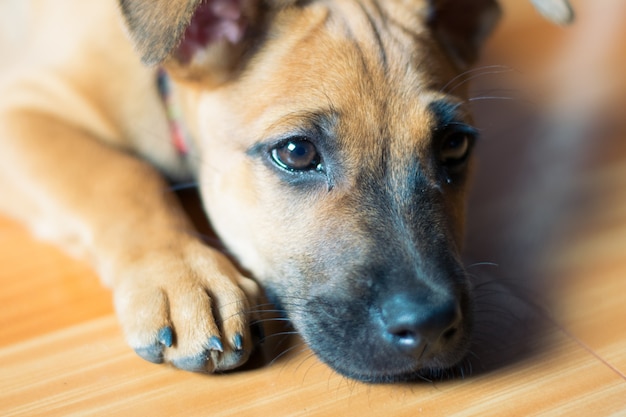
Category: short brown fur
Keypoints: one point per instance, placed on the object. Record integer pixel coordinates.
(86, 147)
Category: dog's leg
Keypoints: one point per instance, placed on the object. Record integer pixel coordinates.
(178, 300)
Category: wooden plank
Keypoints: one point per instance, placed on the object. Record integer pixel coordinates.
(87, 370)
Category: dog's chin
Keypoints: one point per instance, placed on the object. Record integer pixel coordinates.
(396, 376)
(394, 368)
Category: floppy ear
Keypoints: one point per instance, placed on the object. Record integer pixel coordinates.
(157, 26)
(198, 40)
(462, 26)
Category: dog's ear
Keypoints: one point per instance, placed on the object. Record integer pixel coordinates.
(462, 26)
(157, 26)
(198, 40)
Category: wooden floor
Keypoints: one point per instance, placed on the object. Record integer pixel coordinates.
(546, 245)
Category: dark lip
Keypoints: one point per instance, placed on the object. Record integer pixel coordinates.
(401, 375)
(405, 369)
(410, 373)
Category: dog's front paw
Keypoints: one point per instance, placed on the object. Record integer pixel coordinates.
(190, 310)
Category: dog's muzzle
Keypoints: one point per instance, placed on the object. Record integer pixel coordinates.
(376, 332)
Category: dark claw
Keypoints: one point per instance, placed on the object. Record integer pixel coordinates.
(238, 342)
(152, 354)
(215, 344)
(193, 364)
(166, 336)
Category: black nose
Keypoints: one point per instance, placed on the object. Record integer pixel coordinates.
(414, 325)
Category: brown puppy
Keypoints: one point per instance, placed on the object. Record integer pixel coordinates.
(331, 155)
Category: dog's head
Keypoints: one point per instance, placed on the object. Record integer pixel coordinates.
(334, 161)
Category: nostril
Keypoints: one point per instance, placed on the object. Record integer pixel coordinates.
(405, 335)
(450, 333)
(405, 338)
(411, 324)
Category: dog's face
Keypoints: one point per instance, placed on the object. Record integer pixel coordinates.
(334, 165)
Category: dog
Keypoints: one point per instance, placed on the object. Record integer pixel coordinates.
(332, 155)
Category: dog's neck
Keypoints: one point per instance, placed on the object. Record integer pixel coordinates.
(179, 133)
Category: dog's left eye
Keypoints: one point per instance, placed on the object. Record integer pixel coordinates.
(455, 149)
(296, 154)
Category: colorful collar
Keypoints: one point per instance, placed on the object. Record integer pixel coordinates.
(180, 135)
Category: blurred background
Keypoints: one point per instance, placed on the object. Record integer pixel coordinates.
(547, 224)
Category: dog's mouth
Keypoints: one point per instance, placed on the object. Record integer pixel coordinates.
(394, 337)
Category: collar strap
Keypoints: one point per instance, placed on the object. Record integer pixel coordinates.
(180, 135)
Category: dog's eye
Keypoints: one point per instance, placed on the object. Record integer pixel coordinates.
(296, 154)
(455, 149)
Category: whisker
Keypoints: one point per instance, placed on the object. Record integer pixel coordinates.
(474, 265)
(305, 359)
(268, 311)
(301, 346)
(424, 378)
(473, 74)
(266, 338)
(271, 320)
(480, 98)
(492, 91)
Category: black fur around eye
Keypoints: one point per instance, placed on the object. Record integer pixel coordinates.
(296, 155)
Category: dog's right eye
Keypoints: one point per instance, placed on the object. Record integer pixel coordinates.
(296, 155)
